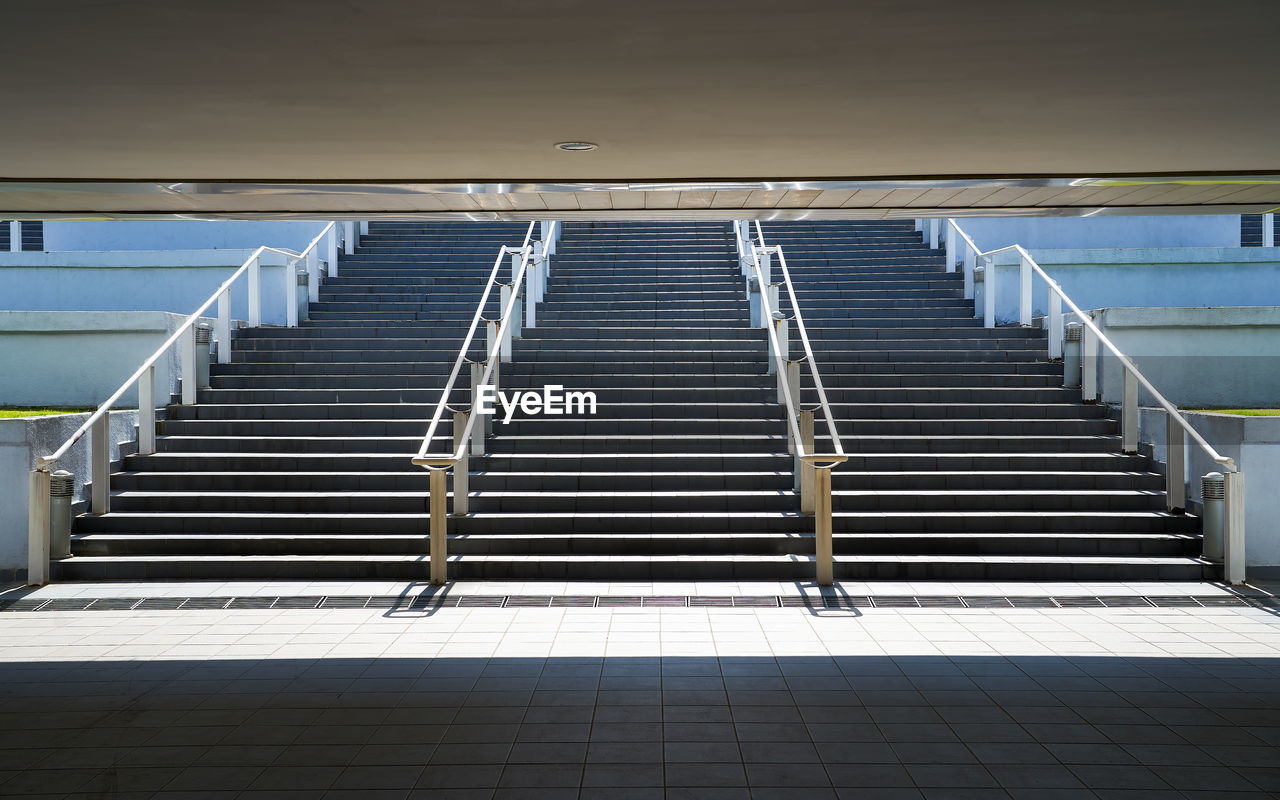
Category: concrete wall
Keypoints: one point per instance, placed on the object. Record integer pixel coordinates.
(1182, 277)
(179, 234)
(1254, 444)
(1196, 357)
(1202, 230)
(178, 281)
(78, 358)
(21, 441)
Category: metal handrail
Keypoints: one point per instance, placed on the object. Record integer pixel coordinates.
(1129, 366)
(444, 462)
(1177, 425)
(144, 377)
(794, 403)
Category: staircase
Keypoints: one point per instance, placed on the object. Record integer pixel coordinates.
(968, 459)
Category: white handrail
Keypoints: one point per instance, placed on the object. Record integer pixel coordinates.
(1177, 425)
(525, 251)
(464, 422)
(804, 338)
(144, 378)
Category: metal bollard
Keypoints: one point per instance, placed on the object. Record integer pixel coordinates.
(1214, 486)
(1071, 339)
(753, 302)
(61, 486)
(204, 336)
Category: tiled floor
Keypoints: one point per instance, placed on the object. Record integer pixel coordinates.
(616, 703)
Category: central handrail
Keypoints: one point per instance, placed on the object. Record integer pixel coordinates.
(444, 462)
(798, 316)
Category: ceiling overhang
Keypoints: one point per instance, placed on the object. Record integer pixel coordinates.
(725, 199)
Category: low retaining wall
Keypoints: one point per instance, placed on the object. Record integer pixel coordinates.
(21, 441)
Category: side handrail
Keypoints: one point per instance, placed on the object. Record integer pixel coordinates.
(1177, 425)
(144, 377)
(812, 469)
(467, 437)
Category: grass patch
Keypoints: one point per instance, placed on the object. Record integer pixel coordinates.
(9, 413)
(1243, 412)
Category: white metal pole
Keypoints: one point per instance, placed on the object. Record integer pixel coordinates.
(951, 249)
(989, 293)
(100, 465)
(349, 238)
(1269, 230)
(147, 412)
(15, 236)
(1024, 291)
(1055, 324)
(313, 275)
(804, 470)
(364, 227)
(332, 243)
(290, 294)
(255, 292)
(1129, 413)
(933, 233)
(38, 528)
(461, 467)
(187, 361)
(1089, 366)
(478, 430)
(970, 263)
(223, 327)
(1175, 476)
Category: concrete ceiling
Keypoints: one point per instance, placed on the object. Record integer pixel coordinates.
(719, 92)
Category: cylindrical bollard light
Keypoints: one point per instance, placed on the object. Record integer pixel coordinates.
(61, 486)
(204, 336)
(1215, 496)
(1072, 336)
(304, 296)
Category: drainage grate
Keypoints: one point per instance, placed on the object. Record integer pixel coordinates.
(441, 599)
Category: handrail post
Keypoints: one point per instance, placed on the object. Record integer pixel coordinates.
(1233, 545)
(364, 227)
(255, 292)
(780, 328)
(970, 264)
(349, 238)
(951, 248)
(1024, 290)
(791, 374)
(754, 305)
(482, 426)
(332, 245)
(187, 359)
(439, 528)
(15, 236)
(1089, 366)
(1269, 230)
(38, 528)
(504, 297)
(461, 467)
(223, 327)
(1129, 413)
(822, 527)
(1175, 476)
(989, 293)
(803, 469)
(290, 293)
(147, 412)
(1055, 324)
(313, 275)
(765, 256)
(100, 465)
(933, 233)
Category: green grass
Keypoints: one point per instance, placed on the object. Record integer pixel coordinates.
(1243, 412)
(9, 413)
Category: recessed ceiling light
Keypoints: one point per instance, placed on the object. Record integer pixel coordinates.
(576, 147)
